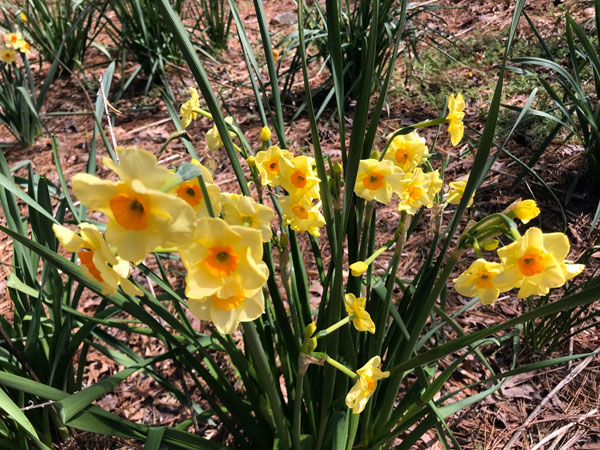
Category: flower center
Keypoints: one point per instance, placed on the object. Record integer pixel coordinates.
(484, 281)
(298, 179)
(87, 259)
(228, 303)
(401, 156)
(373, 181)
(273, 166)
(221, 261)
(247, 221)
(371, 384)
(414, 193)
(532, 264)
(130, 211)
(190, 193)
(300, 211)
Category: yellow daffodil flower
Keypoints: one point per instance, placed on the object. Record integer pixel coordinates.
(358, 268)
(224, 261)
(361, 392)
(456, 107)
(140, 216)
(301, 215)
(418, 189)
(407, 151)
(213, 138)
(268, 163)
(362, 319)
(7, 55)
(13, 40)
(191, 192)
(535, 263)
(97, 261)
(245, 211)
(226, 313)
(186, 111)
(299, 178)
(478, 281)
(457, 189)
(377, 180)
(526, 210)
(24, 47)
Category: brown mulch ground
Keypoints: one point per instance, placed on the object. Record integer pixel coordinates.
(488, 425)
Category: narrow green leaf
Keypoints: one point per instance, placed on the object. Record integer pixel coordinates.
(17, 415)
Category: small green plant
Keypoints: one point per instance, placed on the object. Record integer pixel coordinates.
(215, 18)
(396, 21)
(63, 30)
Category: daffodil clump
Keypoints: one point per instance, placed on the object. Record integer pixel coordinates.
(12, 43)
(533, 263)
(149, 207)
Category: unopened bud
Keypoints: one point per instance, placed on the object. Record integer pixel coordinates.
(337, 167)
(526, 210)
(283, 240)
(358, 268)
(375, 154)
(251, 161)
(309, 330)
(491, 245)
(265, 134)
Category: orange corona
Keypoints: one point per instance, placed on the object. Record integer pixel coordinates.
(130, 211)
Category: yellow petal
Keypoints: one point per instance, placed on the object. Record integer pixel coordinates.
(67, 238)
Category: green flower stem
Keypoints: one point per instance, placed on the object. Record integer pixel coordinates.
(209, 208)
(503, 217)
(452, 197)
(477, 251)
(379, 251)
(163, 249)
(334, 327)
(265, 375)
(297, 421)
(366, 226)
(338, 365)
(203, 113)
(383, 314)
(173, 136)
(409, 129)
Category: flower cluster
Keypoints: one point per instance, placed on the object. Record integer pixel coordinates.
(399, 173)
(13, 43)
(219, 236)
(297, 175)
(534, 263)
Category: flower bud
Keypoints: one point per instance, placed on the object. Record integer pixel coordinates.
(526, 210)
(309, 330)
(358, 268)
(491, 245)
(265, 134)
(251, 162)
(283, 240)
(375, 154)
(337, 167)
